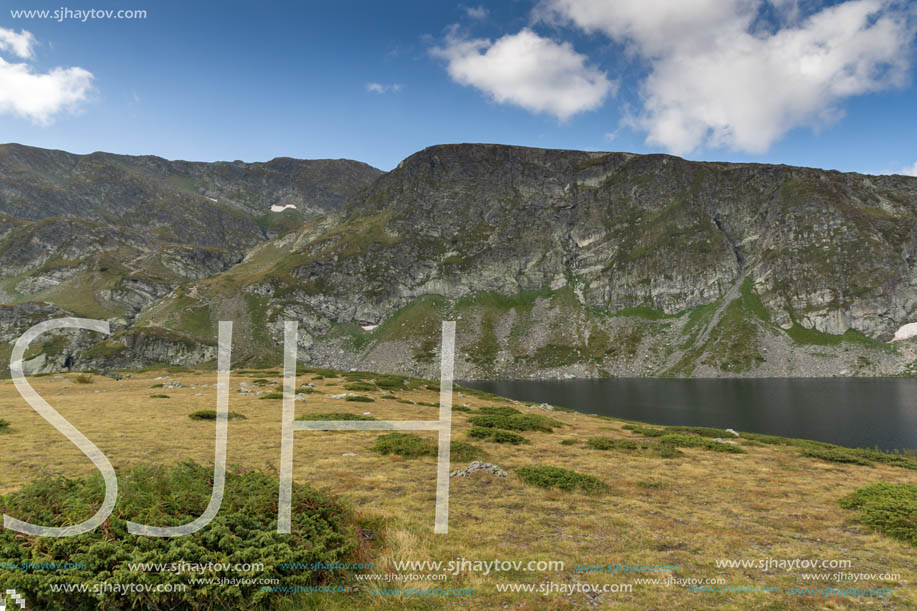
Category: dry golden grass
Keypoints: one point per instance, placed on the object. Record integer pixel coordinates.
(769, 503)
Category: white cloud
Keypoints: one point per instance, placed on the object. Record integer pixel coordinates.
(19, 44)
(380, 88)
(37, 96)
(527, 70)
(476, 12)
(911, 171)
(721, 76)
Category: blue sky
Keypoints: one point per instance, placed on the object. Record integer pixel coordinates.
(828, 85)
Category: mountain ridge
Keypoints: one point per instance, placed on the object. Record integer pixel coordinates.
(558, 263)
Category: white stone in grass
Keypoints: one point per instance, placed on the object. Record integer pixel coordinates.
(348, 454)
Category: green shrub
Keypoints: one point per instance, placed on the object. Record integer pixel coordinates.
(160, 385)
(4, 425)
(703, 431)
(888, 508)
(461, 451)
(244, 531)
(335, 416)
(725, 448)
(209, 414)
(308, 390)
(497, 436)
(645, 431)
(684, 440)
(160, 397)
(359, 386)
(261, 381)
(515, 422)
(83, 379)
(668, 452)
(499, 410)
(426, 404)
(557, 477)
(406, 445)
(664, 450)
(461, 408)
(651, 485)
(600, 443)
(681, 440)
(569, 442)
(607, 443)
(894, 459)
(392, 397)
(360, 399)
(787, 441)
(271, 395)
(836, 454)
(390, 382)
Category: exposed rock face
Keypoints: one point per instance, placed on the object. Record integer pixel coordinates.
(17, 319)
(108, 236)
(209, 204)
(102, 218)
(831, 251)
(554, 263)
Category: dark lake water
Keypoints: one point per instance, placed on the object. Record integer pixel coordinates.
(851, 412)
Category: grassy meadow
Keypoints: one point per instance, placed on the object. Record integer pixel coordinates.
(652, 495)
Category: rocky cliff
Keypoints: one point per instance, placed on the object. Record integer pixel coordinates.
(555, 263)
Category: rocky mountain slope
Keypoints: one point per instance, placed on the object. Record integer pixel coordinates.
(555, 263)
(107, 236)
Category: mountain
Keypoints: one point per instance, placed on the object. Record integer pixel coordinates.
(554, 263)
(107, 236)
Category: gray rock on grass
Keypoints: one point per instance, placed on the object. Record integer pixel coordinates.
(479, 466)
